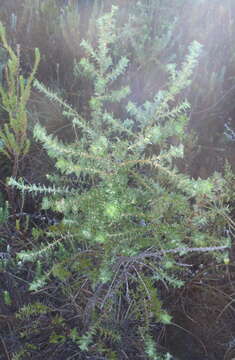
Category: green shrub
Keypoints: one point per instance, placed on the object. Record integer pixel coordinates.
(14, 95)
(128, 213)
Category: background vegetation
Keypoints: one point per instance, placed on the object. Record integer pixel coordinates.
(117, 179)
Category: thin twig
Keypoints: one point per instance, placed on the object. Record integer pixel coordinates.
(181, 250)
(5, 349)
(145, 287)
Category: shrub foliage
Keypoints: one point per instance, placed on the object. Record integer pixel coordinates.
(128, 214)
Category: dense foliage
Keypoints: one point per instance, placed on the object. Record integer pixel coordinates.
(119, 223)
